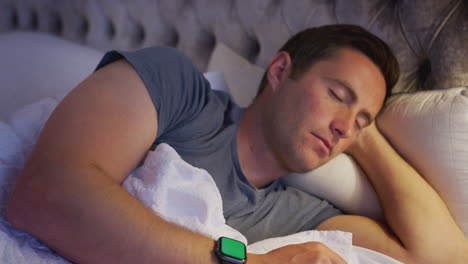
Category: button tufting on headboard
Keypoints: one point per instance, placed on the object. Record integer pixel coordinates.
(254, 50)
(428, 37)
(54, 23)
(174, 39)
(138, 34)
(83, 27)
(417, 80)
(33, 20)
(110, 30)
(12, 18)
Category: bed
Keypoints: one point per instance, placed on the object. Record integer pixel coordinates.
(426, 119)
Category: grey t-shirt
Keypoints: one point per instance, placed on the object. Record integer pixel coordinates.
(201, 125)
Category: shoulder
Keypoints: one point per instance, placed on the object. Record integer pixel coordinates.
(96, 123)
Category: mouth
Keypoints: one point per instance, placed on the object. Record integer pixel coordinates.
(326, 146)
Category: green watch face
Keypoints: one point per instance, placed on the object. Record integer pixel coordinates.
(232, 248)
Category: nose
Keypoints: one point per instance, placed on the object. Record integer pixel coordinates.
(342, 126)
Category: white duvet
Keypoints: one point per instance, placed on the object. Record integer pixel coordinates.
(165, 183)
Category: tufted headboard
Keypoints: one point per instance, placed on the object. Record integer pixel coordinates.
(429, 37)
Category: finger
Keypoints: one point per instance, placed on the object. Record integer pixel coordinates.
(332, 255)
(335, 258)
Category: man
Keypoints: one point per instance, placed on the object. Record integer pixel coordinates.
(320, 96)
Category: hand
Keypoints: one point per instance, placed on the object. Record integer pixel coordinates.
(362, 139)
(306, 253)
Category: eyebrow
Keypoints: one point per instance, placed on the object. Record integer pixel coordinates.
(353, 95)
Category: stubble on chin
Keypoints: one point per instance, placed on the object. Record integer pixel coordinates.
(302, 160)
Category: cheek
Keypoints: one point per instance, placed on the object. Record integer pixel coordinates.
(320, 110)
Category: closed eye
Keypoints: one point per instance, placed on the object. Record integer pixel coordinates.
(334, 95)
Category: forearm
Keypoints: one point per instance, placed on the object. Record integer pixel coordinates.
(93, 220)
(413, 210)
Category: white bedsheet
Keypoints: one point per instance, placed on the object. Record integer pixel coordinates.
(165, 183)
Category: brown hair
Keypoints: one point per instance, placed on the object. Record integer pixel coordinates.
(318, 43)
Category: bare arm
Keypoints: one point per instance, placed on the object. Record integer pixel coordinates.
(422, 229)
(69, 193)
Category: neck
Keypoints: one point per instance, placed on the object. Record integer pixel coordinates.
(256, 156)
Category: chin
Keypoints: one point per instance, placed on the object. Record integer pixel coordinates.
(311, 162)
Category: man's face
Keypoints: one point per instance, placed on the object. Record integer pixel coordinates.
(314, 118)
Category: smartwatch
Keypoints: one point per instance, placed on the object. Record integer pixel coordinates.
(231, 251)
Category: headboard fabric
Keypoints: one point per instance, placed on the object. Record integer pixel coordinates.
(429, 37)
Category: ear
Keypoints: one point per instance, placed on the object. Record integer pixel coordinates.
(279, 69)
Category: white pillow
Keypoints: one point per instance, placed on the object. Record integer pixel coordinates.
(242, 77)
(38, 65)
(430, 130)
(343, 183)
(217, 81)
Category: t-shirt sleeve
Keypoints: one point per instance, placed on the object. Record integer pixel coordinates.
(178, 90)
